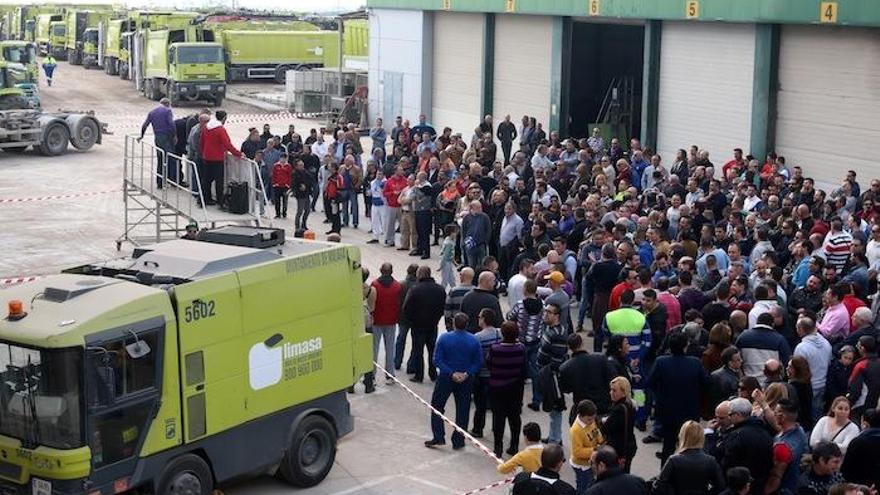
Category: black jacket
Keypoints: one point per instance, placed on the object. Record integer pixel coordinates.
(678, 383)
(692, 472)
(750, 444)
(536, 484)
(476, 300)
(302, 178)
(861, 463)
(586, 376)
(614, 481)
(424, 304)
(249, 148)
(723, 384)
(617, 428)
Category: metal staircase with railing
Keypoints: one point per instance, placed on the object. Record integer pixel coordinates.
(158, 208)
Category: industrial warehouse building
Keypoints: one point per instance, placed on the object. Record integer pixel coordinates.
(798, 78)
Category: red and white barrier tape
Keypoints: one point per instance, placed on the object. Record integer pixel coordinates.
(5, 282)
(57, 196)
(468, 436)
(248, 118)
(489, 487)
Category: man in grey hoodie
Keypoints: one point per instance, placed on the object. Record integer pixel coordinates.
(817, 351)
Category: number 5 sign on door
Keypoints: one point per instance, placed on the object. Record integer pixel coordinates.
(692, 9)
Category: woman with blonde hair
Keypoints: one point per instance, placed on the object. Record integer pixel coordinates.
(617, 426)
(836, 426)
(690, 470)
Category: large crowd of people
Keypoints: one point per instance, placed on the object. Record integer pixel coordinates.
(724, 310)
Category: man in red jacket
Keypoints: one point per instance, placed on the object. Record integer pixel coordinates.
(393, 187)
(215, 143)
(386, 315)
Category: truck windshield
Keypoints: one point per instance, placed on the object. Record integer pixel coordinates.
(15, 54)
(90, 36)
(59, 30)
(40, 396)
(199, 55)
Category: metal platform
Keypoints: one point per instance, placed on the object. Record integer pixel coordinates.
(158, 208)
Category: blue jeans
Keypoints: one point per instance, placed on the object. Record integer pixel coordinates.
(818, 403)
(584, 479)
(586, 301)
(461, 393)
(532, 362)
(343, 210)
(400, 347)
(353, 204)
(474, 256)
(555, 434)
(384, 334)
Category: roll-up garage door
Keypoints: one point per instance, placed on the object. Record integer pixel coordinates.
(523, 51)
(829, 94)
(706, 72)
(458, 72)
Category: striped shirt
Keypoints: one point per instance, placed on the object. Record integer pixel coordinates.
(836, 249)
(506, 364)
(488, 337)
(453, 302)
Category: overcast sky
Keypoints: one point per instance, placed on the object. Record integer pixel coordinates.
(291, 5)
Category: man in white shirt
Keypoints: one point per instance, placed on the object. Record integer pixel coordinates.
(319, 147)
(516, 282)
(540, 159)
(752, 199)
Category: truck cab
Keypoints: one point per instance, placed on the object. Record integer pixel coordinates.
(90, 48)
(182, 64)
(21, 55)
(196, 71)
(11, 96)
(58, 40)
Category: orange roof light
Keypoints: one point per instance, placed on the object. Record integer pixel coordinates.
(16, 310)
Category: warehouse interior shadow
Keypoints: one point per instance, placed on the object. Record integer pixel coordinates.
(605, 56)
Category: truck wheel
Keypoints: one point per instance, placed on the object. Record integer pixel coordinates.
(113, 67)
(55, 139)
(311, 453)
(156, 93)
(186, 475)
(218, 101)
(281, 74)
(84, 131)
(123, 71)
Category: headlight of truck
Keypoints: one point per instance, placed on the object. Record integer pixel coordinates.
(221, 87)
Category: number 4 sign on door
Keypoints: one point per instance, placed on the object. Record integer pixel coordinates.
(828, 12)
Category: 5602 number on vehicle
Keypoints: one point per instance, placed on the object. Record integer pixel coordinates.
(199, 310)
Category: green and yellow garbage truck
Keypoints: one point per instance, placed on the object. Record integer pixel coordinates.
(270, 54)
(77, 44)
(184, 366)
(58, 40)
(44, 31)
(154, 20)
(181, 64)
